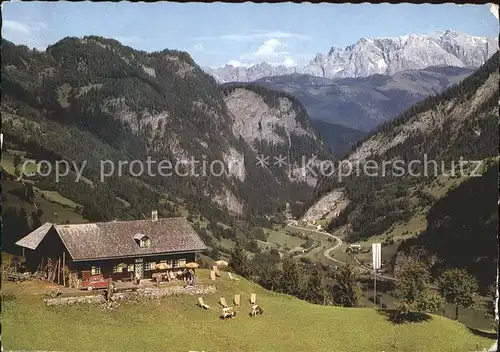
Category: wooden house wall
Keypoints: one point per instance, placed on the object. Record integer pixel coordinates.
(106, 266)
(52, 247)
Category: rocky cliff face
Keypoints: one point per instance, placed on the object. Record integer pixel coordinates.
(371, 56)
(278, 126)
(256, 121)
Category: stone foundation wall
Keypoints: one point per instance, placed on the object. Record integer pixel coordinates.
(176, 290)
(147, 292)
(64, 301)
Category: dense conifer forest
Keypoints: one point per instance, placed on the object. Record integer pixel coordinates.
(93, 99)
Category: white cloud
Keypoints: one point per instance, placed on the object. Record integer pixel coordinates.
(236, 63)
(27, 33)
(260, 35)
(270, 48)
(16, 27)
(24, 28)
(270, 51)
(256, 34)
(38, 26)
(289, 62)
(199, 47)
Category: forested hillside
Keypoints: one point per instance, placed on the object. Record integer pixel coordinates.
(338, 138)
(93, 100)
(462, 228)
(459, 124)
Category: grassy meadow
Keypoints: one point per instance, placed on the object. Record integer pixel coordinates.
(177, 324)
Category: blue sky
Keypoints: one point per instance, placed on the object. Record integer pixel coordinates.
(217, 33)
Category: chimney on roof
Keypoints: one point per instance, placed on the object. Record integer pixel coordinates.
(154, 215)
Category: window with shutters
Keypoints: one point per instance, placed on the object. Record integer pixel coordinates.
(119, 268)
(95, 270)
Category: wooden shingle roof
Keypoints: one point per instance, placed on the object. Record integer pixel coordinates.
(35, 237)
(105, 240)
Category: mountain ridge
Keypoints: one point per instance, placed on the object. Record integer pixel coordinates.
(362, 103)
(407, 134)
(377, 55)
(125, 104)
(461, 123)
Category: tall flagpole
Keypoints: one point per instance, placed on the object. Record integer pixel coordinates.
(376, 249)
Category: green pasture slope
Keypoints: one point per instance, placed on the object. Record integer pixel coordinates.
(177, 324)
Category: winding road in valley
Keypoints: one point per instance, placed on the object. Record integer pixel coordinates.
(338, 243)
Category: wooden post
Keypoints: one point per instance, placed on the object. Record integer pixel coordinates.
(50, 267)
(64, 265)
(58, 271)
(53, 266)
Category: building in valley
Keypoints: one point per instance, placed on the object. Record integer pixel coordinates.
(117, 249)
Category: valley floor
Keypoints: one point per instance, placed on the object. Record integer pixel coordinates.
(335, 253)
(177, 324)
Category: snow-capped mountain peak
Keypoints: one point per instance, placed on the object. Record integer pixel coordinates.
(370, 56)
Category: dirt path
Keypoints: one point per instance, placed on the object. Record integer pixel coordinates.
(338, 243)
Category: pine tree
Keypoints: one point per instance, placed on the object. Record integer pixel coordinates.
(239, 260)
(291, 279)
(315, 291)
(346, 291)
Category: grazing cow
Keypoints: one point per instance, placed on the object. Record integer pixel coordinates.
(256, 309)
(228, 312)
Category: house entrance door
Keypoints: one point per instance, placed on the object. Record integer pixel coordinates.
(139, 269)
